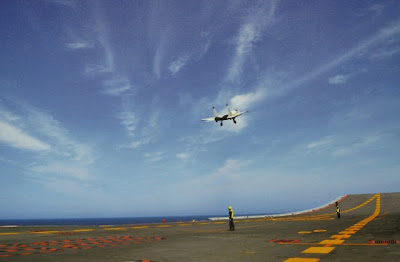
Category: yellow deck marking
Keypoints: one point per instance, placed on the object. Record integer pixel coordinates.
(182, 225)
(318, 250)
(45, 232)
(204, 223)
(340, 236)
(319, 230)
(347, 232)
(115, 228)
(141, 227)
(10, 233)
(295, 259)
(304, 232)
(83, 230)
(331, 242)
(163, 226)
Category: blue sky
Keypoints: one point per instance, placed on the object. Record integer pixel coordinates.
(101, 101)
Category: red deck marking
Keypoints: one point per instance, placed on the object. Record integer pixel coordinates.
(26, 254)
(7, 255)
(11, 250)
(29, 249)
(2, 245)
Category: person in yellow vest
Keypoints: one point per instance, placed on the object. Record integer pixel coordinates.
(337, 211)
(231, 225)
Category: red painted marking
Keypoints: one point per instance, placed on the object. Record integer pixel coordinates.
(29, 249)
(2, 245)
(11, 250)
(26, 254)
(7, 255)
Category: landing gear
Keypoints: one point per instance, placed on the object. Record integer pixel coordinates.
(221, 123)
(234, 121)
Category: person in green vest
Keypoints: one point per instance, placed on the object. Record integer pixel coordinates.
(231, 224)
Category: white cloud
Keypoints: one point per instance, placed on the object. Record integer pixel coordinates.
(338, 79)
(249, 34)
(116, 86)
(155, 156)
(350, 148)
(244, 44)
(178, 64)
(79, 45)
(183, 156)
(243, 101)
(358, 50)
(128, 121)
(65, 169)
(62, 142)
(17, 138)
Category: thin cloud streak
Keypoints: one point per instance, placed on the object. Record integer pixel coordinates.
(17, 138)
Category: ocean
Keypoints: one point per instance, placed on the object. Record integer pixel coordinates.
(100, 221)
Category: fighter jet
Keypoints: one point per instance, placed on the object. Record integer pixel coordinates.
(230, 116)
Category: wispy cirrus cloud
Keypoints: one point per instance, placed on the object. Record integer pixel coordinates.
(249, 34)
(144, 134)
(79, 46)
(362, 49)
(17, 138)
(155, 156)
(338, 79)
(116, 86)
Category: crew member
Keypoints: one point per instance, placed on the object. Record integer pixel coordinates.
(338, 211)
(231, 225)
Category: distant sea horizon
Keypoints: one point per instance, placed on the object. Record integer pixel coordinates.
(103, 221)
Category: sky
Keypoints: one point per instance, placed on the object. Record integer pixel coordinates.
(101, 105)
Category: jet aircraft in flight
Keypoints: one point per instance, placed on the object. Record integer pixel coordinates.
(230, 116)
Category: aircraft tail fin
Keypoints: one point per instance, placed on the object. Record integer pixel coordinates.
(215, 112)
(229, 111)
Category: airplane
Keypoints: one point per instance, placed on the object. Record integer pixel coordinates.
(230, 116)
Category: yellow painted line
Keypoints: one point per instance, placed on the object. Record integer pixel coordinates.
(115, 228)
(340, 236)
(319, 230)
(141, 227)
(10, 233)
(45, 232)
(83, 230)
(204, 223)
(164, 226)
(331, 242)
(296, 259)
(348, 232)
(104, 225)
(304, 232)
(318, 250)
(219, 222)
(182, 225)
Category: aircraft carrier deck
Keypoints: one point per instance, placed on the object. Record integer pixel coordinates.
(368, 230)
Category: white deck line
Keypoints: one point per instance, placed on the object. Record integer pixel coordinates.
(281, 215)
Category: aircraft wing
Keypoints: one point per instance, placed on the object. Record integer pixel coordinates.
(208, 119)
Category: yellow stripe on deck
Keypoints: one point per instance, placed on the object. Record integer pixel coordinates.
(83, 230)
(114, 228)
(318, 250)
(10, 233)
(296, 259)
(45, 232)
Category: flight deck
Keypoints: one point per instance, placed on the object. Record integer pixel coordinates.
(368, 230)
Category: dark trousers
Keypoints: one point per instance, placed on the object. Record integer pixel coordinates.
(338, 214)
(231, 225)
